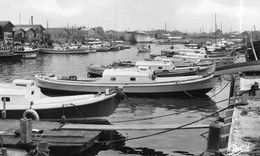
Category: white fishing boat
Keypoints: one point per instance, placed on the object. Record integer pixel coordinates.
(165, 68)
(132, 80)
(23, 97)
(27, 52)
(180, 60)
(143, 48)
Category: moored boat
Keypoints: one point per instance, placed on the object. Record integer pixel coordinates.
(6, 55)
(143, 48)
(132, 80)
(97, 70)
(63, 50)
(24, 96)
(27, 52)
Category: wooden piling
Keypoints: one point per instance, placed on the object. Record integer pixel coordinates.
(3, 113)
(232, 85)
(214, 137)
(4, 151)
(26, 130)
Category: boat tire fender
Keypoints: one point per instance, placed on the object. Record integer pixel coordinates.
(152, 75)
(31, 112)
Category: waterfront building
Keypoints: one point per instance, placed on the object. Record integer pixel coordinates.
(6, 30)
(59, 34)
(24, 34)
(37, 27)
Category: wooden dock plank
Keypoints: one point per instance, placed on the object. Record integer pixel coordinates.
(51, 134)
(129, 127)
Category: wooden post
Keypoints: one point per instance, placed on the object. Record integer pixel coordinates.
(4, 108)
(4, 151)
(232, 86)
(214, 137)
(26, 130)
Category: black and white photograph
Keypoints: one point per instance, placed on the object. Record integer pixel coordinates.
(129, 77)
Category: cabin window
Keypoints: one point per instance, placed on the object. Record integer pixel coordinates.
(24, 85)
(160, 67)
(113, 79)
(7, 99)
(132, 79)
(32, 92)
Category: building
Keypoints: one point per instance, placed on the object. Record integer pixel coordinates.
(83, 33)
(6, 30)
(114, 35)
(59, 34)
(37, 27)
(24, 34)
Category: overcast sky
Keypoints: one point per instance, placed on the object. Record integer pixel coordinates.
(182, 15)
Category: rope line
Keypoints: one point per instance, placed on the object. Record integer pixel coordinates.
(221, 89)
(166, 115)
(177, 128)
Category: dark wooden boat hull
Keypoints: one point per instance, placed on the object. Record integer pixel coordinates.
(72, 113)
(11, 57)
(179, 94)
(52, 51)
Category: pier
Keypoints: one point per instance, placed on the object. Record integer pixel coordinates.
(30, 135)
(238, 134)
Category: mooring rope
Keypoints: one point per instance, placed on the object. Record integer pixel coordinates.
(150, 118)
(214, 94)
(160, 115)
(166, 115)
(220, 90)
(177, 128)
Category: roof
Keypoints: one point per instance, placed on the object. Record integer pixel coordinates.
(78, 31)
(24, 29)
(56, 30)
(35, 26)
(4, 23)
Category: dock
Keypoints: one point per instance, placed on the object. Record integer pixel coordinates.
(238, 67)
(60, 142)
(238, 134)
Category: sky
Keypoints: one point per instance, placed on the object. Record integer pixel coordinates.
(144, 15)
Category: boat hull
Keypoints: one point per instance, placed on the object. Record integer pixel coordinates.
(88, 112)
(50, 85)
(9, 56)
(53, 51)
(27, 54)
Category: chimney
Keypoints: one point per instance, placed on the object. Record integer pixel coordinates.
(31, 20)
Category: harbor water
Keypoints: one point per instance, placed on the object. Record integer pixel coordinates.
(135, 110)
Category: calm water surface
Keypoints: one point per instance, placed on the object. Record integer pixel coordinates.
(177, 142)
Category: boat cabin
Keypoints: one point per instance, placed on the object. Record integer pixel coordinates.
(196, 51)
(192, 46)
(23, 83)
(128, 75)
(192, 59)
(157, 66)
(21, 91)
(179, 60)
